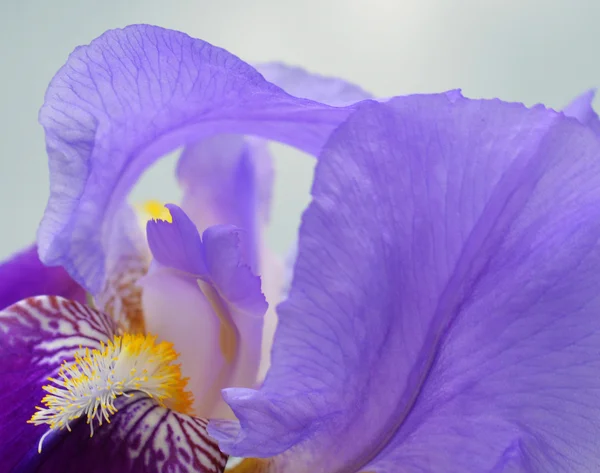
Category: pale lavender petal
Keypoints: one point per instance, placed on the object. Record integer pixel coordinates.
(242, 298)
(177, 244)
(301, 83)
(128, 98)
(127, 260)
(24, 275)
(142, 437)
(581, 109)
(228, 179)
(221, 258)
(214, 316)
(176, 309)
(36, 336)
(443, 312)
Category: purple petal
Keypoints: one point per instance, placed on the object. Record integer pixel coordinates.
(228, 180)
(301, 83)
(221, 258)
(212, 306)
(24, 275)
(141, 437)
(581, 109)
(445, 298)
(36, 335)
(177, 244)
(242, 300)
(226, 249)
(128, 98)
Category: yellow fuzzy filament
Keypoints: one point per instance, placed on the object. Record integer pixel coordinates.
(89, 385)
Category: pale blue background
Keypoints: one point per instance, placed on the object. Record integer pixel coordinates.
(521, 50)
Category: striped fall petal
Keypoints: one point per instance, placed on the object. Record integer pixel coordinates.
(136, 379)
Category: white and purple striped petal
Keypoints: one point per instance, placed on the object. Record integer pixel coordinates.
(36, 336)
(142, 437)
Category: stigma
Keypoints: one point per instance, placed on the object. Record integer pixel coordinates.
(89, 386)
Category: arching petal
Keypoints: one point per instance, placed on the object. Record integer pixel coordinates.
(228, 179)
(141, 437)
(443, 312)
(36, 336)
(24, 275)
(128, 98)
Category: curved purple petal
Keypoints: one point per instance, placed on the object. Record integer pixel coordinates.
(177, 244)
(131, 96)
(24, 275)
(443, 312)
(36, 336)
(141, 437)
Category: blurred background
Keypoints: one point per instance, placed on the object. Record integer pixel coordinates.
(520, 50)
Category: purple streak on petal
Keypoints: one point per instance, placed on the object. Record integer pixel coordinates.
(141, 437)
(24, 275)
(444, 301)
(581, 109)
(128, 98)
(36, 335)
(177, 245)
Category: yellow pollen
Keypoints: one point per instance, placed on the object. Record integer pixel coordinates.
(90, 385)
(157, 211)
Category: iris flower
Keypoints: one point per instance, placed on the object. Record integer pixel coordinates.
(193, 302)
(443, 309)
